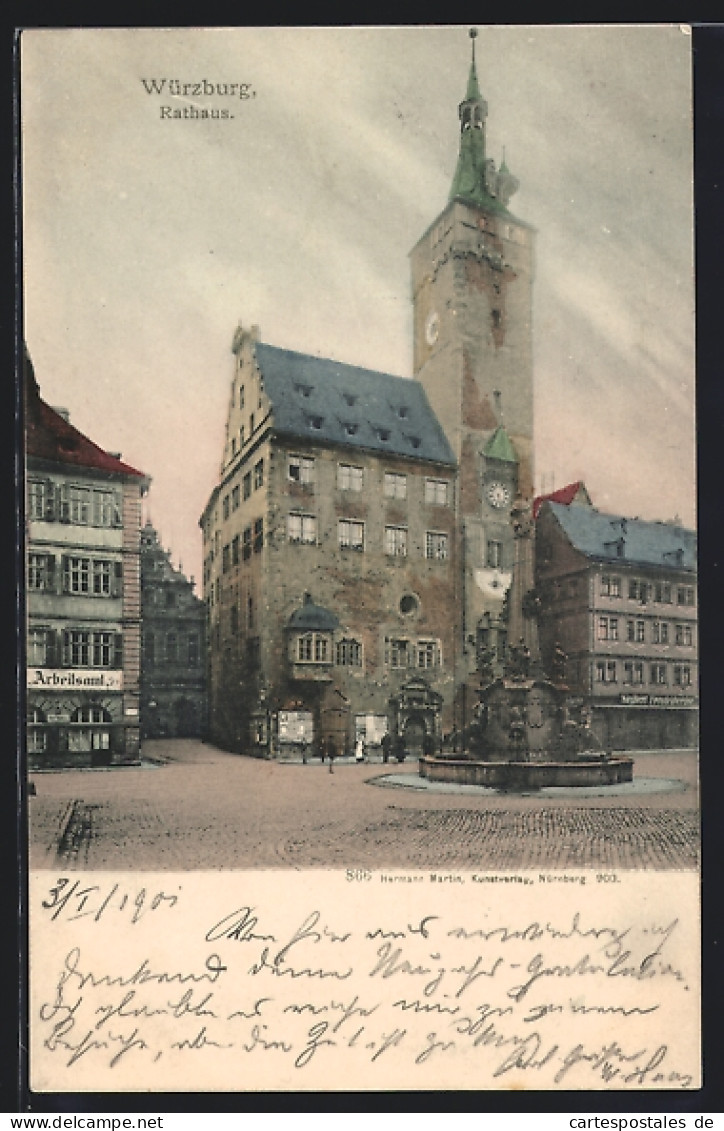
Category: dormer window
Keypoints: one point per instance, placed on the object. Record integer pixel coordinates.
(350, 428)
(402, 411)
(382, 434)
(316, 422)
(303, 390)
(414, 441)
(350, 399)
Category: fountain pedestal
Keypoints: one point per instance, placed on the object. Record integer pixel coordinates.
(526, 735)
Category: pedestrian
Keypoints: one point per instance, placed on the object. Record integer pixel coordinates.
(386, 746)
(304, 751)
(331, 754)
(359, 749)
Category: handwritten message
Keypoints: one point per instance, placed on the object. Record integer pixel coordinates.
(294, 981)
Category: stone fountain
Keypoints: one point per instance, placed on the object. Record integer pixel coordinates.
(527, 732)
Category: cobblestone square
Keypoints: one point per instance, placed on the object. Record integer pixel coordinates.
(194, 807)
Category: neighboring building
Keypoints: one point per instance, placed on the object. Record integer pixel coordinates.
(618, 596)
(83, 594)
(173, 700)
(386, 501)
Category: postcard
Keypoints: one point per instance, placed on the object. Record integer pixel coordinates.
(362, 617)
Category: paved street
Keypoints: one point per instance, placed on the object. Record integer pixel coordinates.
(195, 807)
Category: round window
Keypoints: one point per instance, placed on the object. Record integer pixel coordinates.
(409, 604)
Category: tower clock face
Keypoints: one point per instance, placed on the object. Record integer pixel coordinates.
(432, 328)
(498, 494)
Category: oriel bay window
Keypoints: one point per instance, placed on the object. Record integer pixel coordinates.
(313, 648)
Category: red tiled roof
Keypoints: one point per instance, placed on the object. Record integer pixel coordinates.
(565, 495)
(48, 436)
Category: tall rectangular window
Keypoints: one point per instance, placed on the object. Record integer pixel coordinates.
(351, 534)
(300, 469)
(38, 495)
(436, 545)
(79, 505)
(37, 647)
(76, 575)
(102, 578)
(427, 653)
(41, 570)
(395, 485)
(494, 555)
(106, 508)
(436, 492)
(259, 474)
(396, 541)
(302, 528)
(397, 652)
(350, 478)
(610, 585)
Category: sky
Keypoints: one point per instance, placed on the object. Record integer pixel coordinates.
(147, 238)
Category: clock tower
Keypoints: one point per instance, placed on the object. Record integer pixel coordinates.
(472, 284)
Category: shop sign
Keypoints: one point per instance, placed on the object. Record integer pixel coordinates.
(644, 700)
(79, 679)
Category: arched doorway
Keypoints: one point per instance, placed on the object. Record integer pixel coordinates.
(414, 736)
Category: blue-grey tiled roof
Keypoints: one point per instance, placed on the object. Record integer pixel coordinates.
(616, 537)
(330, 402)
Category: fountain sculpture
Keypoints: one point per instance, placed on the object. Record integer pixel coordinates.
(528, 731)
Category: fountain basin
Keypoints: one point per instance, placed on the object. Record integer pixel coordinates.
(584, 771)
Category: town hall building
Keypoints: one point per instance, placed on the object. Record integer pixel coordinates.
(357, 545)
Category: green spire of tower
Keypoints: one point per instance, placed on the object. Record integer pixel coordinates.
(473, 92)
(475, 179)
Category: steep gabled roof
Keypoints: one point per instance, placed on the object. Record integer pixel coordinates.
(48, 436)
(326, 401)
(571, 493)
(609, 537)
